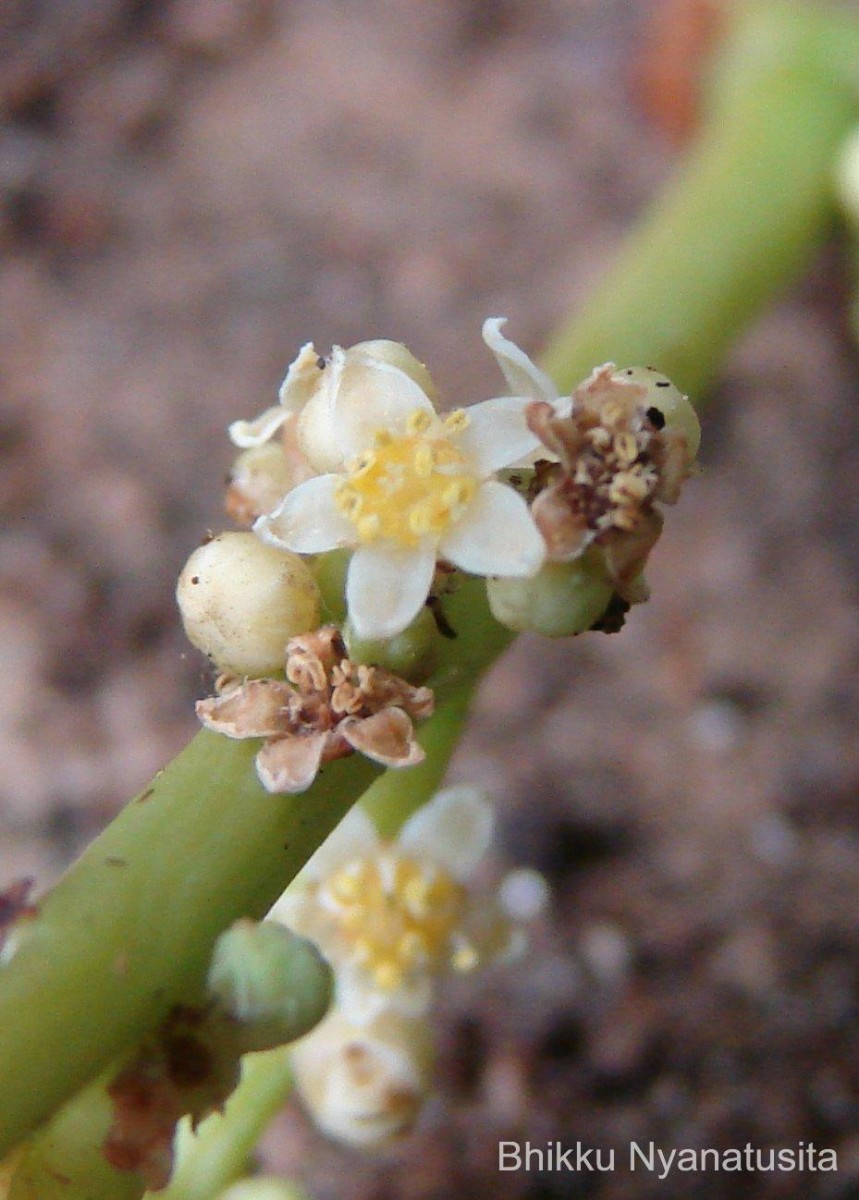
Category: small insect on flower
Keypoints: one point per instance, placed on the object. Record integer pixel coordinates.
(392, 917)
(326, 708)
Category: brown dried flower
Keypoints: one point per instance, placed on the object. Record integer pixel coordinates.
(191, 1065)
(326, 708)
(616, 460)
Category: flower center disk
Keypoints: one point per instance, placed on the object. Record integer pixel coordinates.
(395, 915)
(411, 485)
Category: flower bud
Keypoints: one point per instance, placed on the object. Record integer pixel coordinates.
(259, 479)
(361, 390)
(241, 601)
(410, 654)
(364, 1084)
(395, 354)
(563, 599)
(668, 400)
(275, 984)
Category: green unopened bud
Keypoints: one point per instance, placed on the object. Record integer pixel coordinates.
(276, 985)
(329, 571)
(664, 396)
(561, 600)
(241, 601)
(411, 654)
(262, 1189)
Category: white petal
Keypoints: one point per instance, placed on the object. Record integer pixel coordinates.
(386, 587)
(496, 535)
(523, 376)
(359, 396)
(452, 831)
(357, 997)
(258, 431)
(303, 375)
(294, 906)
(354, 838)
(307, 520)
(497, 434)
(413, 998)
(373, 395)
(523, 894)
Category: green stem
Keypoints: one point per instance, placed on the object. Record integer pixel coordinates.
(64, 1160)
(744, 216)
(392, 798)
(221, 1150)
(129, 931)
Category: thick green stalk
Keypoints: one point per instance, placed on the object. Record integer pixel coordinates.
(64, 1161)
(392, 798)
(745, 214)
(129, 931)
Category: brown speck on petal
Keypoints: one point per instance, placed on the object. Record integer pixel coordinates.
(387, 737)
(258, 708)
(290, 764)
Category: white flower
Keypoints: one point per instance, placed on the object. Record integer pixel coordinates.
(338, 402)
(364, 1084)
(421, 489)
(392, 916)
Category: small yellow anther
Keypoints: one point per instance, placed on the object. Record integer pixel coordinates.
(418, 421)
(368, 526)
(387, 975)
(424, 460)
(457, 420)
(420, 519)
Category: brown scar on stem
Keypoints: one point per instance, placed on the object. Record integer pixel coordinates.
(15, 905)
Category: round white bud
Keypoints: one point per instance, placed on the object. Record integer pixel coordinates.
(241, 601)
(395, 354)
(664, 396)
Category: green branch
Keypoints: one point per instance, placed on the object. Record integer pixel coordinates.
(744, 215)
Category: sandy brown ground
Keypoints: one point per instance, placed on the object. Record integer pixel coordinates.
(191, 189)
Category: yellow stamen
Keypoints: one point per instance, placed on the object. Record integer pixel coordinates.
(394, 916)
(409, 486)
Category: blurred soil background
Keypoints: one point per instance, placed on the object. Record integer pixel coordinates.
(189, 190)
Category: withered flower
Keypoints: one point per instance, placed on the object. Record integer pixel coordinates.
(326, 708)
(189, 1065)
(617, 458)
